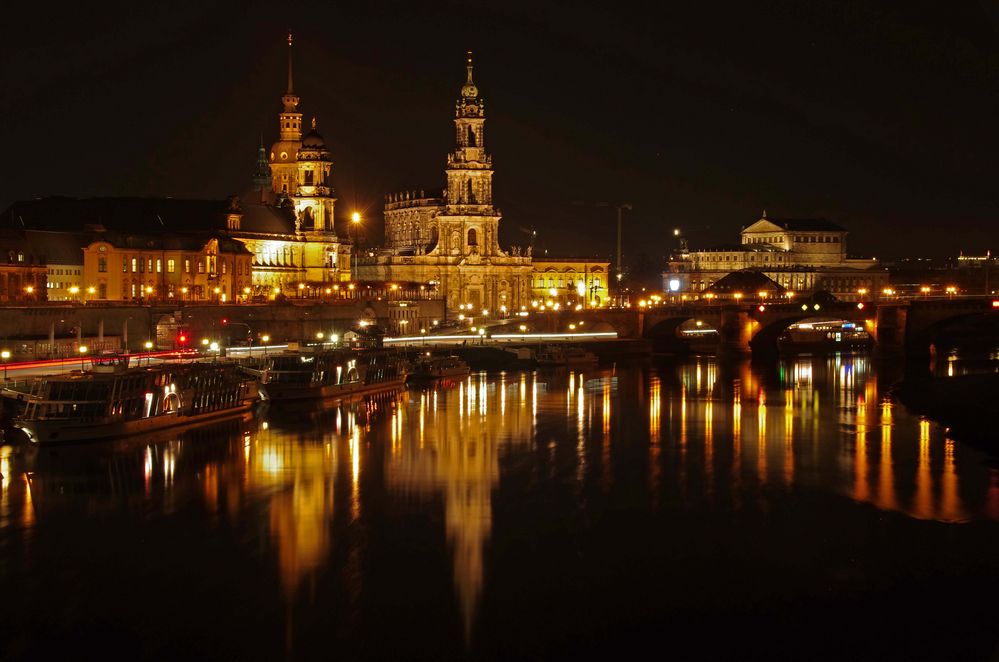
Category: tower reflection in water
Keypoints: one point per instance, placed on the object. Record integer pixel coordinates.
(446, 442)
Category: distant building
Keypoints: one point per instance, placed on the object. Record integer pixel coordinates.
(800, 255)
(570, 282)
(185, 267)
(23, 270)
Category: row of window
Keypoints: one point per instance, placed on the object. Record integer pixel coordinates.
(561, 282)
(64, 272)
(140, 266)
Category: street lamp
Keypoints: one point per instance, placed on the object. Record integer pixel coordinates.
(265, 339)
(83, 353)
(5, 355)
(148, 345)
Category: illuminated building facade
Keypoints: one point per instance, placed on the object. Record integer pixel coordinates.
(287, 220)
(801, 255)
(570, 282)
(451, 241)
(119, 267)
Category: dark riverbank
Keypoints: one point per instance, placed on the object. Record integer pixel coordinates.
(968, 405)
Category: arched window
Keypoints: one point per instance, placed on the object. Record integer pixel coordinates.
(471, 193)
(471, 137)
(473, 239)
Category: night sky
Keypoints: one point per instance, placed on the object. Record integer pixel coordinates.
(883, 117)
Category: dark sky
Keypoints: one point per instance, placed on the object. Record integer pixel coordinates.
(881, 116)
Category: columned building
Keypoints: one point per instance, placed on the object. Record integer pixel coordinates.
(451, 240)
(800, 255)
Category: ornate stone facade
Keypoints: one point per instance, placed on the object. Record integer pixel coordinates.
(451, 241)
(801, 255)
(293, 186)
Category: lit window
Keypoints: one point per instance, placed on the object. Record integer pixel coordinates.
(171, 266)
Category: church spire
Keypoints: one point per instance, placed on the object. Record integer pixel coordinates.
(291, 87)
(290, 99)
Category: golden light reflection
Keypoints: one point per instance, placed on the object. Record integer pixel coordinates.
(460, 461)
(886, 477)
(709, 445)
(789, 438)
(951, 509)
(923, 502)
(761, 443)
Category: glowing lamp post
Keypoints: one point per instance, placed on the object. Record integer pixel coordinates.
(265, 339)
(5, 355)
(355, 222)
(83, 353)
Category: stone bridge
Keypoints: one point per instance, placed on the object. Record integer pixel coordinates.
(897, 327)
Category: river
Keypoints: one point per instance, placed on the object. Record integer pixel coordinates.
(680, 510)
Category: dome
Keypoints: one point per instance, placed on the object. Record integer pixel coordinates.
(314, 140)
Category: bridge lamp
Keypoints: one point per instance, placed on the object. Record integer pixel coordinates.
(698, 323)
(148, 344)
(474, 329)
(762, 294)
(642, 303)
(320, 335)
(482, 332)
(737, 295)
(552, 291)
(804, 306)
(951, 289)
(523, 329)
(334, 337)
(214, 347)
(762, 308)
(816, 306)
(860, 305)
(924, 289)
(572, 327)
(862, 291)
(183, 290)
(205, 341)
(674, 284)
(265, 338)
(461, 317)
(91, 289)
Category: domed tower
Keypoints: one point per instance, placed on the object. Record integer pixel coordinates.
(314, 193)
(284, 153)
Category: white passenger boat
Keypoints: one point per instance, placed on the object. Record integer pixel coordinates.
(112, 400)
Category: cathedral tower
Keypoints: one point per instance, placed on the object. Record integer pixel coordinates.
(284, 153)
(470, 222)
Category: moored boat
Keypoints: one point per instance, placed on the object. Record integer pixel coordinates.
(430, 368)
(324, 375)
(568, 356)
(112, 400)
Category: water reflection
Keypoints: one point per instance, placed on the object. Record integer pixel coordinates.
(309, 490)
(450, 442)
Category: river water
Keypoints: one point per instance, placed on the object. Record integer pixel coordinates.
(682, 510)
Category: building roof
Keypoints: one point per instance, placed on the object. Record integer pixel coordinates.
(58, 247)
(807, 224)
(150, 214)
(185, 241)
(746, 281)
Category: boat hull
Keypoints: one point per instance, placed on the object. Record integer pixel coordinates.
(279, 392)
(53, 432)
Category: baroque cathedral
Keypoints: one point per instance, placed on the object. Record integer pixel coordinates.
(451, 240)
